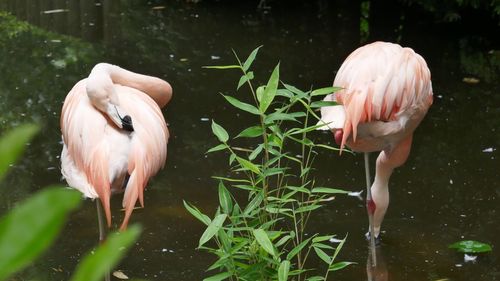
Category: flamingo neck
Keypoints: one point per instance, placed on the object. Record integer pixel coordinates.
(159, 90)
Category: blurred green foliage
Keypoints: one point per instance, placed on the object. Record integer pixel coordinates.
(32, 226)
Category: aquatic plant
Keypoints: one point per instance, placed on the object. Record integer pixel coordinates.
(265, 237)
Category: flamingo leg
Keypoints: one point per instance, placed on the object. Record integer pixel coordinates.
(370, 208)
(102, 230)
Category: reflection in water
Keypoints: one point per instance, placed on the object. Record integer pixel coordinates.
(447, 189)
(379, 271)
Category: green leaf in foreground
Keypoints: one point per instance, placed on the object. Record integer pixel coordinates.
(470, 246)
(212, 229)
(270, 91)
(263, 240)
(32, 226)
(95, 265)
(219, 132)
(283, 270)
(250, 59)
(12, 145)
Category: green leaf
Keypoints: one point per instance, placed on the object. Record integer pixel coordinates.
(283, 270)
(12, 145)
(315, 278)
(95, 265)
(256, 152)
(244, 78)
(317, 104)
(322, 255)
(339, 265)
(297, 249)
(248, 165)
(242, 105)
(329, 190)
(325, 91)
(31, 227)
(197, 213)
(253, 204)
(219, 147)
(307, 208)
(279, 116)
(251, 132)
(250, 59)
(225, 199)
(221, 66)
(212, 229)
(219, 132)
(218, 277)
(270, 90)
(470, 246)
(264, 242)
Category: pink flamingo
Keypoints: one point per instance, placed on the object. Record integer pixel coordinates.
(386, 92)
(114, 136)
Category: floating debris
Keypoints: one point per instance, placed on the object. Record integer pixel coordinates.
(215, 57)
(470, 80)
(55, 11)
(489, 150)
(204, 119)
(158, 7)
(470, 258)
(120, 275)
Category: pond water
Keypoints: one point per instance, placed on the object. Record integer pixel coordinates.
(447, 191)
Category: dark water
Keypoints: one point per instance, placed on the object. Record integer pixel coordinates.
(447, 191)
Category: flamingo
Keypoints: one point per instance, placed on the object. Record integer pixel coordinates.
(114, 136)
(385, 93)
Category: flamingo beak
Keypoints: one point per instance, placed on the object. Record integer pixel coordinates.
(127, 123)
(120, 118)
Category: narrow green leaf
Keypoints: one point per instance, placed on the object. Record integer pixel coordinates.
(250, 59)
(225, 199)
(212, 229)
(277, 116)
(294, 89)
(328, 190)
(219, 147)
(316, 278)
(245, 164)
(325, 91)
(218, 277)
(264, 242)
(253, 204)
(242, 105)
(251, 132)
(12, 145)
(307, 208)
(270, 90)
(256, 152)
(322, 238)
(197, 213)
(219, 132)
(318, 104)
(283, 270)
(297, 249)
(322, 255)
(94, 265)
(339, 265)
(221, 66)
(31, 227)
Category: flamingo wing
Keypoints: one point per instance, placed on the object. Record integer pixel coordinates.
(380, 82)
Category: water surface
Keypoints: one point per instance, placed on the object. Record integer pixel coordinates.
(447, 191)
